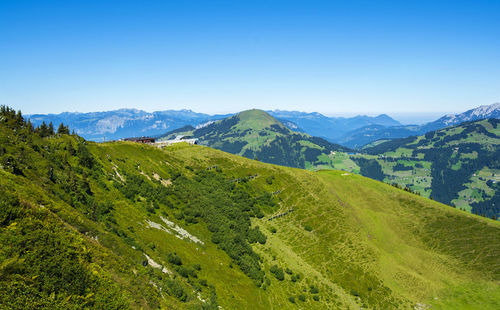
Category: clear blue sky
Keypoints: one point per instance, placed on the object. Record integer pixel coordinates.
(334, 57)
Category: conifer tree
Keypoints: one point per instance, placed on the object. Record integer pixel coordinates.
(43, 130)
(64, 130)
(51, 129)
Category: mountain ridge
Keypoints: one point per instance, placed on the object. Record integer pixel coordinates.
(256, 134)
(355, 138)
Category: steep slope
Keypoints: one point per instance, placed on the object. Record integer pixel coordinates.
(131, 225)
(256, 134)
(458, 165)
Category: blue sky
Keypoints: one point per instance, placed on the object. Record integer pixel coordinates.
(334, 57)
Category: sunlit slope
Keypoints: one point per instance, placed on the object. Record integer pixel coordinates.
(370, 244)
(257, 135)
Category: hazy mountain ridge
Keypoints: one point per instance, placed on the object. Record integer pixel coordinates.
(124, 123)
(352, 132)
(368, 134)
(331, 128)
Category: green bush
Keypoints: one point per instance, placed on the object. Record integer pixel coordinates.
(313, 289)
(277, 272)
(174, 259)
(291, 299)
(174, 288)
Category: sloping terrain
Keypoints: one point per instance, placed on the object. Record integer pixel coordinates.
(121, 225)
(257, 135)
(457, 165)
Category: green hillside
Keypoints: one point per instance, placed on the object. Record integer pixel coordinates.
(122, 225)
(257, 135)
(458, 165)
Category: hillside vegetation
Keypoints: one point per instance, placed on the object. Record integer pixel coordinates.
(458, 165)
(122, 225)
(257, 135)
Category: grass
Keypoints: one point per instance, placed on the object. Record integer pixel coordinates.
(362, 227)
(369, 244)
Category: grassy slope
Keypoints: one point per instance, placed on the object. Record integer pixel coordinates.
(371, 245)
(368, 239)
(256, 134)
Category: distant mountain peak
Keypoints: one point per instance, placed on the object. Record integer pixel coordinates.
(481, 112)
(486, 109)
(256, 119)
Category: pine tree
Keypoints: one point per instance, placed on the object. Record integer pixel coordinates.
(51, 129)
(43, 130)
(29, 125)
(63, 130)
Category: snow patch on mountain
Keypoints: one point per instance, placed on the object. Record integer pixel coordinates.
(110, 124)
(204, 124)
(481, 112)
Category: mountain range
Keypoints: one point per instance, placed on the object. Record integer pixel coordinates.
(123, 123)
(123, 225)
(354, 132)
(368, 134)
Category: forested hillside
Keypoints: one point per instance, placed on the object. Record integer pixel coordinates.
(123, 225)
(459, 165)
(257, 135)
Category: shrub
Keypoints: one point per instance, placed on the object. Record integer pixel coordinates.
(186, 271)
(273, 230)
(174, 259)
(316, 298)
(278, 272)
(291, 299)
(302, 297)
(288, 270)
(174, 288)
(313, 289)
(308, 227)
